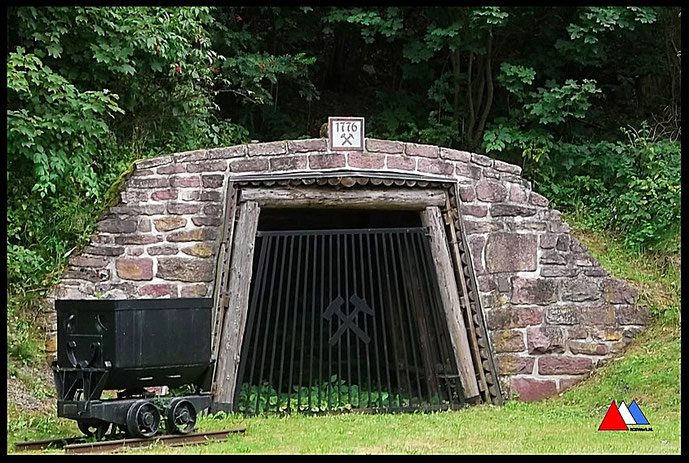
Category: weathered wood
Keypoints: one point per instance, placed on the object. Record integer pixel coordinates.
(237, 305)
(466, 307)
(477, 311)
(432, 219)
(223, 268)
(364, 198)
(413, 281)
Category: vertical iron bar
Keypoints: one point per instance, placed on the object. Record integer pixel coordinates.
(256, 300)
(313, 321)
(269, 310)
(293, 333)
(433, 312)
(320, 320)
(339, 341)
(404, 302)
(398, 299)
(346, 313)
(415, 323)
(356, 340)
(375, 316)
(290, 271)
(371, 337)
(443, 334)
(303, 320)
(330, 322)
(278, 306)
(394, 345)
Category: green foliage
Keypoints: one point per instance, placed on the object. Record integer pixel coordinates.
(633, 186)
(330, 394)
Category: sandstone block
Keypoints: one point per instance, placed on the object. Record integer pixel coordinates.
(510, 210)
(507, 318)
(510, 364)
(562, 315)
(366, 160)
(508, 341)
(289, 162)
(117, 226)
(267, 149)
(249, 165)
(207, 166)
(134, 269)
(384, 146)
(455, 155)
(491, 191)
(158, 290)
(560, 365)
(212, 181)
(198, 234)
(580, 289)
(170, 223)
(436, 166)
(185, 182)
(533, 291)
(511, 252)
(400, 162)
(326, 161)
(185, 269)
(307, 146)
(545, 339)
(426, 151)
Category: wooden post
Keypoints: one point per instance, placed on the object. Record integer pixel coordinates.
(449, 293)
(234, 322)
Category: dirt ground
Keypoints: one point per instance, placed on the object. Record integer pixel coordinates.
(25, 388)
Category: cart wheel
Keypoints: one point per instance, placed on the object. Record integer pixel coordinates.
(143, 419)
(93, 428)
(181, 417)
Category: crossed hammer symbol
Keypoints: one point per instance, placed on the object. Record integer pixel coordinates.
(347, 138)
(348, 321)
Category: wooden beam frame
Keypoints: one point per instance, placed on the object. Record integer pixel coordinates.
(361, 198)
(234, 322)
(236, 279)
(449, 294)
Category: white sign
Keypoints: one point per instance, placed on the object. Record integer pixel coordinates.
(346, 133)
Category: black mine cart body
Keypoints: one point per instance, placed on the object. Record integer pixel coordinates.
(128, 346)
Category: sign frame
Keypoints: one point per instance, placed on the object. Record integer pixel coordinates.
(331, 132)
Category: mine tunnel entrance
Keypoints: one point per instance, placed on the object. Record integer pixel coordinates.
(345, 313)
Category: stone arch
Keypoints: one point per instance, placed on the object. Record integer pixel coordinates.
(552, 312)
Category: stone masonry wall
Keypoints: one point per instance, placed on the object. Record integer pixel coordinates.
(552, 312)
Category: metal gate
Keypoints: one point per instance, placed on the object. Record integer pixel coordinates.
(346, 319)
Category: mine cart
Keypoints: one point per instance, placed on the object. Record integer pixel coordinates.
(130, 346)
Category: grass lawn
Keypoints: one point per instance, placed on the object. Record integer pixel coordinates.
(648, 372)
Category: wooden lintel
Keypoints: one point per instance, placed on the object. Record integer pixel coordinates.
(360, 198)
(449, 293)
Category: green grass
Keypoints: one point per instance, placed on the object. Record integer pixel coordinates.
(649, 372)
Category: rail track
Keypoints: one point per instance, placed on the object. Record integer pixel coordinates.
(79, 445)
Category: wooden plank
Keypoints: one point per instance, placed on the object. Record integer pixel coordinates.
(466, 307)
(364, 198)
(238, 302)
(223, 267)
(432, 219)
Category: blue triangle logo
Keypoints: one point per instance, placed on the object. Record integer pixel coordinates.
(637, 413)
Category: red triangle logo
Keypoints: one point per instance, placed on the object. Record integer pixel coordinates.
(613, 420)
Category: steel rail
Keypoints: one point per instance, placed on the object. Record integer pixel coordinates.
(76, 444)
